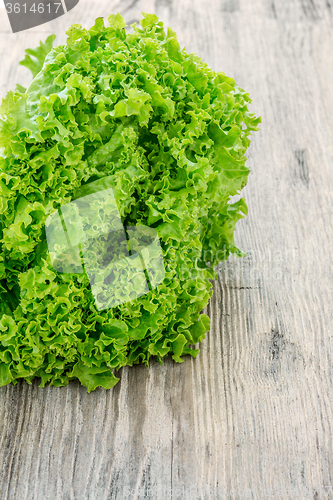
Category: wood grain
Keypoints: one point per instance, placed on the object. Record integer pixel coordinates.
(251, 416)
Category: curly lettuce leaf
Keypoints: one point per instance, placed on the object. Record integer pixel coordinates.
(35, 63)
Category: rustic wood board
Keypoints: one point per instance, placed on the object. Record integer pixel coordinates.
(252, 415)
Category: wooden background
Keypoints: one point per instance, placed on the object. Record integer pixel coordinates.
(251, 417)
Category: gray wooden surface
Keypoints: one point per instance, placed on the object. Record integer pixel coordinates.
(252, 415)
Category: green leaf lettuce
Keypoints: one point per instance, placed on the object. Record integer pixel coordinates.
(171, 135)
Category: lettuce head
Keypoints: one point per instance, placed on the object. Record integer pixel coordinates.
(169, 135)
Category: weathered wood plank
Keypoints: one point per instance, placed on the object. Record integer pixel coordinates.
(253, 413)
